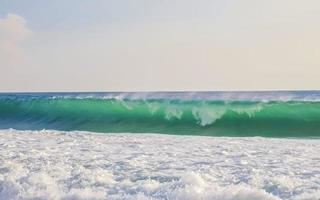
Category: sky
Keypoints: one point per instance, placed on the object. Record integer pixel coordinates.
(167, 45)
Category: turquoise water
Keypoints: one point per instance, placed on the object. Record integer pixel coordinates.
(269, 114)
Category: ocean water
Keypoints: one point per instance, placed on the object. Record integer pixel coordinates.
(269, 114)
(160, 145)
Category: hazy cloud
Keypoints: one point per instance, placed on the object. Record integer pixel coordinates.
(13, 32)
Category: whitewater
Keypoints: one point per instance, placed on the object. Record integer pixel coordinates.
(50, 164)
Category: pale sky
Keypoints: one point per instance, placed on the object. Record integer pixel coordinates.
(150, 45)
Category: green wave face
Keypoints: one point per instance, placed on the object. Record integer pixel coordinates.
(194, 117)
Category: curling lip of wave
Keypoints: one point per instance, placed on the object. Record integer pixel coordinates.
(264, 96)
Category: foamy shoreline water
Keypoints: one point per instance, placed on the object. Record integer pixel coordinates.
(83, 165)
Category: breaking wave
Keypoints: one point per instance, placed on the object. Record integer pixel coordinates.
(272, 118)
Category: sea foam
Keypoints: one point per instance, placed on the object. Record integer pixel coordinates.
(82, 165)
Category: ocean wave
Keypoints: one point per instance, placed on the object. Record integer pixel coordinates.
(197, 117)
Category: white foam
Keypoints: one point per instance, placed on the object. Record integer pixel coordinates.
(206, 115)
(81, 165)
(173, 112)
